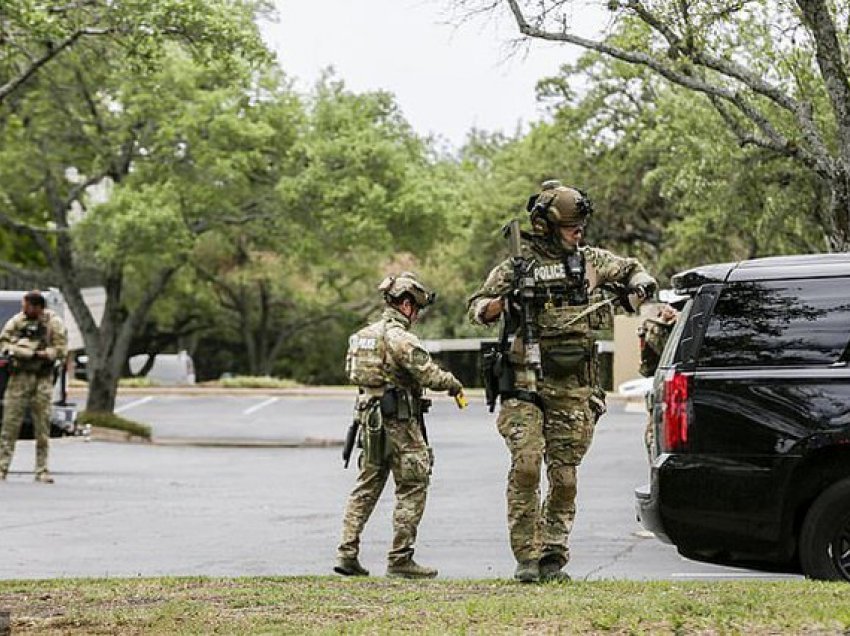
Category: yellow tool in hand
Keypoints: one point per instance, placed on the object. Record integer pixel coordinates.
(460, 400)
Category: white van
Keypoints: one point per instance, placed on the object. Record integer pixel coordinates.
(169, 369)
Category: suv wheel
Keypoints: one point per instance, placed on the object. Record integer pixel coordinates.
(825, 538)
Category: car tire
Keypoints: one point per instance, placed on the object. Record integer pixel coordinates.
(825, 537)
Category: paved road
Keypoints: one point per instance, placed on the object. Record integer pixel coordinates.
(133, 509)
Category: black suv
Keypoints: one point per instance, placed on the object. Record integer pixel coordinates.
(751, 409)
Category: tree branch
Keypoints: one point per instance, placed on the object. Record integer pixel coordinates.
(735, 71)
(814, 157)
(817, 18)
(32, 275)
(135, 320)
(30, 230)
(12, 85)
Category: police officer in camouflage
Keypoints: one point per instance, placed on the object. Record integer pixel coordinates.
(653, 335)
(555, 424)
(391, 369)
(35, 339)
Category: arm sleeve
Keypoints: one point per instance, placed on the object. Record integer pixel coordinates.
(618, 269)
(498, 283)
(409, 354)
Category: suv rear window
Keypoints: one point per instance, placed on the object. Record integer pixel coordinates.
(778, 323)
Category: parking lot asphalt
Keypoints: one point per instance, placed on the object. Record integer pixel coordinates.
(275, 509)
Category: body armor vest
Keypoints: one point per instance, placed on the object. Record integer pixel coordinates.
(561, 294)
(365, 362)
(561, 282)
(33, 335)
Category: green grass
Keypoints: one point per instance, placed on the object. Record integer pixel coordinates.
(116, 422)
(333, 605)
(254, 382)
(136, 383)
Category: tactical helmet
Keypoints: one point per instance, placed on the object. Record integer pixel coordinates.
(558, 205)
(396, 285)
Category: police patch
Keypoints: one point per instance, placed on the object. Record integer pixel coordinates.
(367, 344)
(555, 271)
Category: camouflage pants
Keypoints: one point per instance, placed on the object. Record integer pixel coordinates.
(33, 390)
(410, 464)
(561, 440)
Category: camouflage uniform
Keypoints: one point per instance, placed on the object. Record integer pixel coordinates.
(31, 381)
(653, 334)
(384, 355)
(573, 399)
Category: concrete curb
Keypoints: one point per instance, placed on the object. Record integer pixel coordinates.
(239, 442)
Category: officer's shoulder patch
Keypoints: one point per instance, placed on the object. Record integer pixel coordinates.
(418, 356)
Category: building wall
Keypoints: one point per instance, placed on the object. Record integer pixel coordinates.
(626, 349)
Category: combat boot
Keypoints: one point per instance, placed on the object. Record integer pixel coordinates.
(44, 477)
(551, 572)
(2, 475)
(527, 571)
(410, 569)
(350, 566)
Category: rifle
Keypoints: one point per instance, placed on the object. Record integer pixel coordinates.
(499, 374)
(524, 294)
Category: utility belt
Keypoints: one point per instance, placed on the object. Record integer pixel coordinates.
(397, 403)
(559, 360)
(387, 404)
(35, 366)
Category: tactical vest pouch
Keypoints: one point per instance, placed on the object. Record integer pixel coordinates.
(565, 359)
(563, 322)
(373, 435)
(396, 404)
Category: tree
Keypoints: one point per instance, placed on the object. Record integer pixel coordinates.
(33, 35)
(776, 71)
(89, 128)
(666, 172)
(352, 189)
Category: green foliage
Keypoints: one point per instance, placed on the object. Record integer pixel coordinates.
(112, 421)
(37, 35)
(256, 382)
(137, 383)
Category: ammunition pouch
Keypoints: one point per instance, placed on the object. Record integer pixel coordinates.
(373, 435)
(564, 359)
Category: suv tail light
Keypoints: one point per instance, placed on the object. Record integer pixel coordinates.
(676, 410)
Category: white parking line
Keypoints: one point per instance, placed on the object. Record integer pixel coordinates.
(133, 404)
(259, 406)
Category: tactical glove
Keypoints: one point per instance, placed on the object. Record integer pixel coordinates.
(456, 388)
(644, 290)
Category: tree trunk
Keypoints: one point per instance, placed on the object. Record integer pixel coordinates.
(103, 388)
(839, 235)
